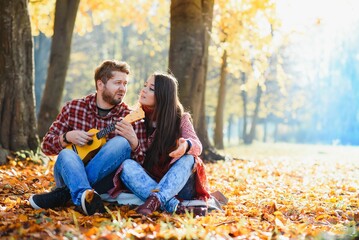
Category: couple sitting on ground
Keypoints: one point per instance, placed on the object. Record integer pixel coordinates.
(155, 158)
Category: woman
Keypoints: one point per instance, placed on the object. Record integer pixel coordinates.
(171, 170)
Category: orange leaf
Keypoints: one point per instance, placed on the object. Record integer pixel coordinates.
(23, 218)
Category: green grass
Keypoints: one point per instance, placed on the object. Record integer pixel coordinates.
(259, 150)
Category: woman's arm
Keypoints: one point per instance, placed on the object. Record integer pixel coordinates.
(189, 133)
(189, 142)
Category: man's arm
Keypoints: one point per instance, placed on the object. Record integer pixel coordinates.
(138, 153)
(53, 141)
(136, 136)
(126, 130)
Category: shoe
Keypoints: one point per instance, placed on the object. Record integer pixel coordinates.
(91, 202)
(152, 204)
(56, 198)
(196, 210)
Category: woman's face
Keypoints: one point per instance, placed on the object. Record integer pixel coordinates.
(147, 94)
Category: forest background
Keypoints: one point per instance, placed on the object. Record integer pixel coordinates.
(249, 71)
(304, 82)
(276, 71)
(289, 83)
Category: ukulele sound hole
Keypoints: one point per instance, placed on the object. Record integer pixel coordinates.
(90, 142)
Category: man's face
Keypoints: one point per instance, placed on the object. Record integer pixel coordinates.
(115, 89)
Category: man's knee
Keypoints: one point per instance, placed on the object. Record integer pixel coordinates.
(66, 157)
(66, 154)
(119, 142)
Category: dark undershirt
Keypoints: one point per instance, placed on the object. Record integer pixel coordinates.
(103, 112)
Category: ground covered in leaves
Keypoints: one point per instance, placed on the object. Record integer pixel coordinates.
(275, 191)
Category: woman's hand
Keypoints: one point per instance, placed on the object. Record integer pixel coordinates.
(181, 148)
(125, 129)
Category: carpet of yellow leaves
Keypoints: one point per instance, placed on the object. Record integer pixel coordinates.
(293, 195)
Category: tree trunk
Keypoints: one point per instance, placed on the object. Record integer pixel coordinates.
(221, 100)
(191, 23)
(126, 32)
(229, 128)
(240, 130)
(249, 137)
(252, 132)
(244, 96)
(65, 16)
(17, 106)
(42, 45)
(275, 132)
(265, 128)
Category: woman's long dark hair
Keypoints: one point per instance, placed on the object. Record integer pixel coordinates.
(167, 112)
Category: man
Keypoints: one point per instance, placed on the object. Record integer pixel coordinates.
(73, 178)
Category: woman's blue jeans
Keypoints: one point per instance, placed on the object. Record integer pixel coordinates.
(179, 180)
(70, 171)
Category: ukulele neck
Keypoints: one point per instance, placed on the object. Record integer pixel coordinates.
(106, 131)
(131, 117)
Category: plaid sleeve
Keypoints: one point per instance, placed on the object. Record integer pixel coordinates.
(51, 144)
(189, 133)
(139, 153)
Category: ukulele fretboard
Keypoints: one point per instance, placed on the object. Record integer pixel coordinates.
(105, 131)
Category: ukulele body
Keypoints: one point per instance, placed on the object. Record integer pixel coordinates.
(89, 150)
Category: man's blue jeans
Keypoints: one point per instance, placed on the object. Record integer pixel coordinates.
(179, 180)
(70, 171)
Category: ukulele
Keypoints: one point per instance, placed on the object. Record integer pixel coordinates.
(88, 151)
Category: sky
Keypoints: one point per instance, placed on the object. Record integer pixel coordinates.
(319, 26)
(333, 14)
(323, 43)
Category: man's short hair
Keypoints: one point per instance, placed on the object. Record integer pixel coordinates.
(104, 71)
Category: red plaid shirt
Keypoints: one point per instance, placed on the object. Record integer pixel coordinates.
(82, 114)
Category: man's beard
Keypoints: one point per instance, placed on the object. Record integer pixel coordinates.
(107, 97)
